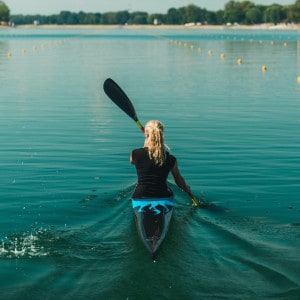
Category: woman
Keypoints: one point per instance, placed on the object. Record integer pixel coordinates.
(153, 164)
(152, 199)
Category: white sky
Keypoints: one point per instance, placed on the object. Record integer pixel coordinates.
(31, 7)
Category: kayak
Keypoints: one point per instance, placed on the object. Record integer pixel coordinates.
(152, 218)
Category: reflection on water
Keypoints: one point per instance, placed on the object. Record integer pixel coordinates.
(66, 219)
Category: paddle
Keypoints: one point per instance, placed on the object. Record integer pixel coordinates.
(118, 96)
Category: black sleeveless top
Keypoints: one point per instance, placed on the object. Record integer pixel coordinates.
(152, 178)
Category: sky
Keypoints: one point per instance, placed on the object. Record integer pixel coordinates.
(49, 7)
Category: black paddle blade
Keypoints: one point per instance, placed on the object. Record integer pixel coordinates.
(118, 96)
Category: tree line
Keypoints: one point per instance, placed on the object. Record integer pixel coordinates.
(244, 13)
(4, 13)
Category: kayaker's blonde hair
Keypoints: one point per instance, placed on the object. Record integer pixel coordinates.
(154, 132)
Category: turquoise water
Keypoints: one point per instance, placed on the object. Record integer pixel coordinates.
(66, 225)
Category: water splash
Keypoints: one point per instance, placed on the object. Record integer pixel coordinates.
(25, 245)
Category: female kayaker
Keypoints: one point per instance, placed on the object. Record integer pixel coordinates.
(153, 163)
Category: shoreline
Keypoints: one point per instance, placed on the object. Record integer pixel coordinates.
(162, 27)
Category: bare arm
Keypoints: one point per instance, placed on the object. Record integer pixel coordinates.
(179, 180)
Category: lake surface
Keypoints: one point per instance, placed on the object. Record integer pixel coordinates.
(66, 224)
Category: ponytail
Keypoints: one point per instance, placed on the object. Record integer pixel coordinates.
(154, 131)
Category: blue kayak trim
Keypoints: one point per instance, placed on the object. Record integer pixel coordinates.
(152, 203)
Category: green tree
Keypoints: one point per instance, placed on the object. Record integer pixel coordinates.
(91, 18)
(233, 12)
(191, 14)
(294, 12)
(4, 12)
(254, 16)
(274, 14)
(67, 17)
(82, 17)
(138, 18)
(115, 18)
(245, 5)
(195, 14)
(211, 18)
(173, 16)
(109, 18)
(220, 17)
(122, 17)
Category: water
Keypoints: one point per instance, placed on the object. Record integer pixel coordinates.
(66, 225)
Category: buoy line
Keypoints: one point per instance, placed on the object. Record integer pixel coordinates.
(222, 55)
(35, 48)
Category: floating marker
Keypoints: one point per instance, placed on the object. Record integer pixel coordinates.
(239, 61)
(222, 55)
(9, 54)
(199, 49)
(209, 52)
(264, 68)
(284, 44)
(298, 79)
